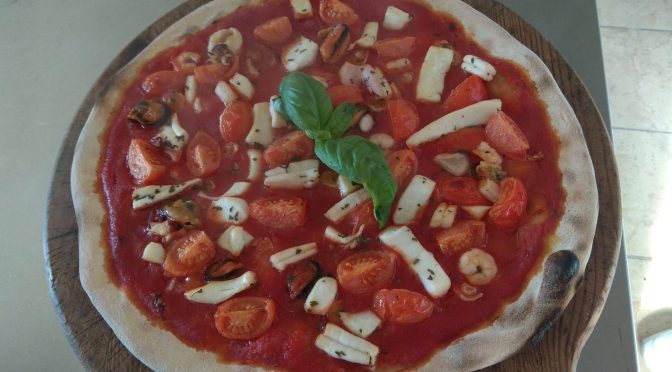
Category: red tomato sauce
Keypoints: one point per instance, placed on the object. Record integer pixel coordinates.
(289, 343)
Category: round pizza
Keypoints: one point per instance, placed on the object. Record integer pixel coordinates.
(332, 185)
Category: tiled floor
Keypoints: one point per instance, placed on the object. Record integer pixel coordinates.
(637, 46)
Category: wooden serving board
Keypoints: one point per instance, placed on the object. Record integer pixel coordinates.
(99, 349)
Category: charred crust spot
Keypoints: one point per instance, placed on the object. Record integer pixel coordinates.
(559, 270)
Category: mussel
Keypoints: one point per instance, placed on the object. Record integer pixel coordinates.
(301, 277)
(222, 269)
(150, 112)
(335, 44)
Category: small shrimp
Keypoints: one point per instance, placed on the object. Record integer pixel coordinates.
(478, 266)
(468, 293)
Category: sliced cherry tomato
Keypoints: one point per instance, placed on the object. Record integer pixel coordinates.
(402, 306)
(462, 236)
(144, 162)
(403, 165)
(190, 255)
(275, 31)
(363, 215)
(468, 92)
(279, 212)
(335, 11)
(395, 48)
(291, 147)
(511, 204)
(366, 272)
(185, 62)
(245, 318)
(505, 136)
(213, 73)
(203, 155)
(235, 121)
(160, 82)
(345, 93)
(404, 118)
(460, 191)
(465, 139)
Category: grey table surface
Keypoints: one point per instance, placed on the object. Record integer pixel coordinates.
(53, 51)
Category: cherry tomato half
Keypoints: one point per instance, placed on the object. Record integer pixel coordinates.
(402, 306)
(144, 162)
(367, 271)
(203, 155)
(279, 212)
(244, 318)
(190, 255)
(511, 204)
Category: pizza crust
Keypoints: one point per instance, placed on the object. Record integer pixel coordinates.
(547, 294)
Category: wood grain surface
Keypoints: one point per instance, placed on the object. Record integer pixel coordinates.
(99, 349)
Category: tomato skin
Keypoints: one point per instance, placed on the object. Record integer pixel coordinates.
(235, 121)
(366, 272)
(402, 306)
(404, 118)
(279, 212)
(511, 204)
(395, 48)
(363, 215)
(244, 318)
(505, 136)
(465, 139)
(345, 93)
(460, 191)
(335, 11)
(158, 83)
(189, 255)
(213, 73)
(203, 155)
(462, 236)
(403, 165)
(466, 93)
(274, 31)
(144, 162)
(294, 146)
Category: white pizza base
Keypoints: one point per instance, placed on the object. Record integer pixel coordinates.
(161, 350)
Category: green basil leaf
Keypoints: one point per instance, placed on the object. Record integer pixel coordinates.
(279, 108)
(363, 162)
(318, 135)
(306, 102)
(340, 120)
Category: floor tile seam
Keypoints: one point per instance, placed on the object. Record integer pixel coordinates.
(625, 28)
(637, 257)
(645, 130)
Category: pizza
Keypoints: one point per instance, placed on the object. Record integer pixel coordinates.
(332, 185)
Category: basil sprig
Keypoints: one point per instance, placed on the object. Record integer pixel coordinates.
(305, 102)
